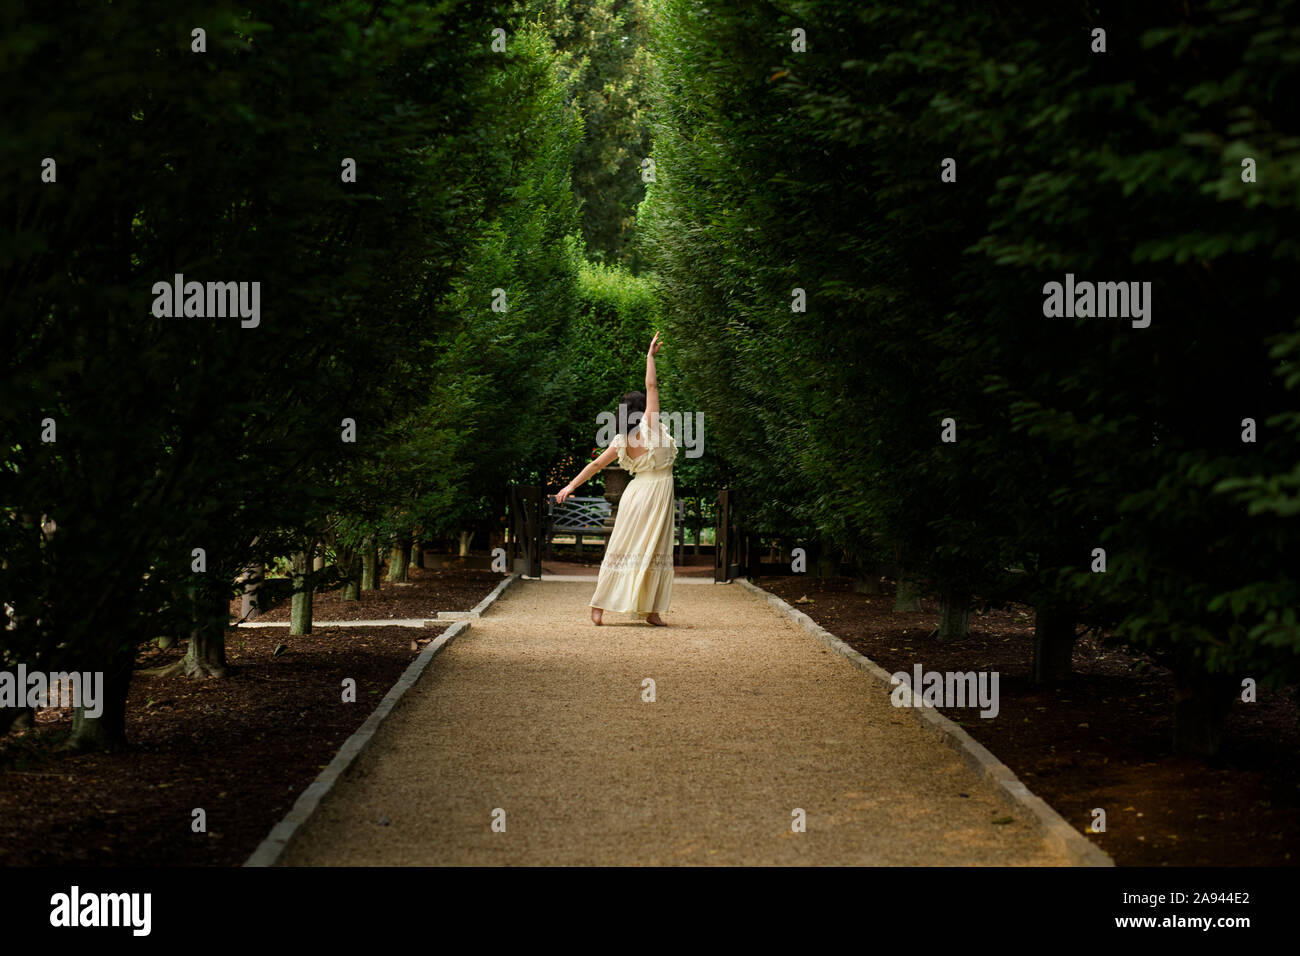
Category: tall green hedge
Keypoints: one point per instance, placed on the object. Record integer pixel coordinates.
(227, 164)
(821, 170)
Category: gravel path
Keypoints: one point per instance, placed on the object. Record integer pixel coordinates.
(539, 713)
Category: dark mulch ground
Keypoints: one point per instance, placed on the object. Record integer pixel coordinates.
(429, 591)
(1103, 740)
(242, 749)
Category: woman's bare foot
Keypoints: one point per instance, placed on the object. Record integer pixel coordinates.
(596, 614)
(655, 619)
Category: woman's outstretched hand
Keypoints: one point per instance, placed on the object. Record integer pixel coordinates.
(654, 346)
(563, 493)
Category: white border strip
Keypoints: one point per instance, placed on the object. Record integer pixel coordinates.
(270, 850)
(478, 609)
(377, 622)
(1076, 846)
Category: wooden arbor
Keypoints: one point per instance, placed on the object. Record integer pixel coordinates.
(527, 529)
(731, 552)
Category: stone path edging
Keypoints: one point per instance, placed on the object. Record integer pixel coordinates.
(277, 841)
(376, 622)
(976, 756)
(477, 610)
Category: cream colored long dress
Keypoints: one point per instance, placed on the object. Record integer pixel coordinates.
(636, 575)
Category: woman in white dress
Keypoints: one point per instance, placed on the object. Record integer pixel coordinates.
(636, 575)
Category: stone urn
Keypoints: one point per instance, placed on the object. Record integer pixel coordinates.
(616, 479)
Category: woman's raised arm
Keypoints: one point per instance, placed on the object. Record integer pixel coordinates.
(652, 385)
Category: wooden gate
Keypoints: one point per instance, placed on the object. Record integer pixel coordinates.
(730, 557)
(527, 519)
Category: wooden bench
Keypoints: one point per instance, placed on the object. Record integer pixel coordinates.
(585, 517)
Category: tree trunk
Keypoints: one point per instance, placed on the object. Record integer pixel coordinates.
(107, 732)
(1053, 643)
(300, 609)
(16, 718)
(1201, 705)
(954, 615)
(369, 565)
(827, 561)
(252, 579)
(206, 654)
(417, 553)
(466, 538)
(399, 557)
(908, 596)
(866, 584)
(348, 561)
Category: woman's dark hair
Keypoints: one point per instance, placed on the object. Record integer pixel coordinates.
(629, 404)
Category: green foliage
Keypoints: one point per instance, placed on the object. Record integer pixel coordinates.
(821, 171)
(604, 351)
(604, 59)
(182, 433)
(776, 171)
(499, 390)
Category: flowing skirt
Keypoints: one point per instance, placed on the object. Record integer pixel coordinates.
(636, 575)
